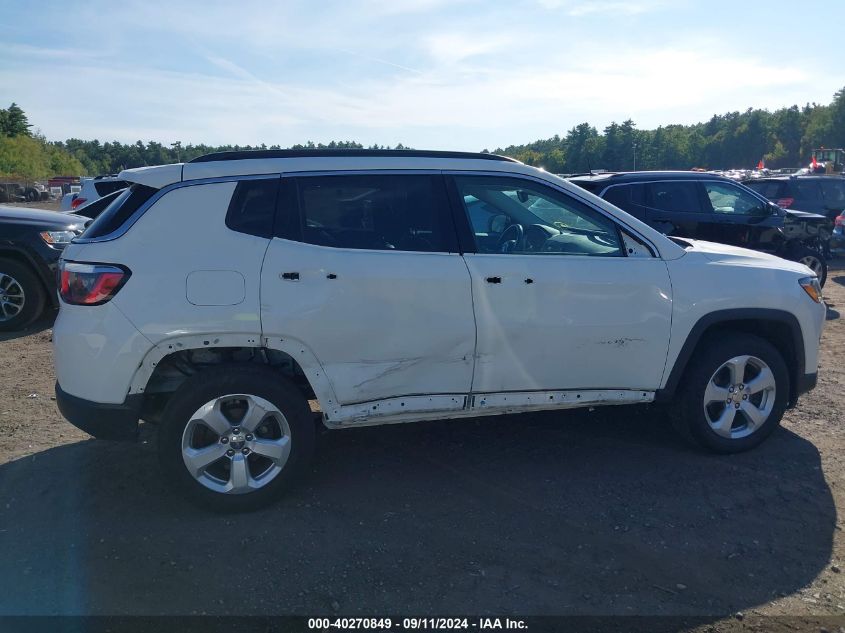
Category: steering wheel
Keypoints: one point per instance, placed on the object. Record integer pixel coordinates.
(507, 243)
(601, 239)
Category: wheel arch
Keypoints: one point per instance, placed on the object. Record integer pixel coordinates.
(21, 256)
(154, 378)
(778, 327)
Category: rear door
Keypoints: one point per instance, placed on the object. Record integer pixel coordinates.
(364, 270)
(675, 207)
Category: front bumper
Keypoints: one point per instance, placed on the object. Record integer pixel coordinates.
(103, 421)
(806, 383)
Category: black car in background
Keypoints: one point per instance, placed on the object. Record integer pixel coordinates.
(707, 207)
(31, 242)
(820, 194)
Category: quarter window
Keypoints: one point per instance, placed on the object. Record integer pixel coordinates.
(253, 206)
(512, 215)
(379, 212)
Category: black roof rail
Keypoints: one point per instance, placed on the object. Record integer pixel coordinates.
(311, 153)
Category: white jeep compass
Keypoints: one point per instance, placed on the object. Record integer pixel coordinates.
(217, 297)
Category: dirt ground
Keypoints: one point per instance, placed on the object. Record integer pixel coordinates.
(582, 512)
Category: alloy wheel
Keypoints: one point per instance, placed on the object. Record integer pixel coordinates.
(739, 397)
(236, 444)
(12, 297)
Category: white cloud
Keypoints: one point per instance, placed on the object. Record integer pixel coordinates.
(577, 8)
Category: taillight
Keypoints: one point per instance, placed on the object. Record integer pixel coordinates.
(77, 202)
(840, 220)
(785, 202)
(90, 284)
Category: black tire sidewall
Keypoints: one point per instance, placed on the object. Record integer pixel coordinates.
(210, 384)
(714, 351)
(800, 253)
(34, 295)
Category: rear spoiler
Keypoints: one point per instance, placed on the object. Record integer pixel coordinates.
(156, 177)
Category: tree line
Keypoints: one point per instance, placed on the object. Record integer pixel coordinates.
(783, 138)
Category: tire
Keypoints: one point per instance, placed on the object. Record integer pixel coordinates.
(234, 481)
(699, 421)
(22, 296)
(813, 259)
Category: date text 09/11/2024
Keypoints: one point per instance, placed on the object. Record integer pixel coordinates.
(325, 624)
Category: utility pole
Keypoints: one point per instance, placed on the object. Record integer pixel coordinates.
(634, 145)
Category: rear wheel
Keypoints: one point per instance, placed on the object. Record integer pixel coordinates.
(734, 393)
(21, 295)
(233, 438)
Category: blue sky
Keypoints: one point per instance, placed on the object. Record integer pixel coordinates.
(442, 74)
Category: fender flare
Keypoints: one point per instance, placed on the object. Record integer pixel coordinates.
(707, 321)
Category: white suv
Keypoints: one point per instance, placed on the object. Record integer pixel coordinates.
(217, 297)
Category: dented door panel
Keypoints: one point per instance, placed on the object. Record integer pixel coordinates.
(381, 323)
(580, 323)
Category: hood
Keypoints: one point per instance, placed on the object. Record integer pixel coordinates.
(738, 256)
(41, 218)
(792, 214)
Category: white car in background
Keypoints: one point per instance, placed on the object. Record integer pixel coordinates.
(91, 189)
(216, 297)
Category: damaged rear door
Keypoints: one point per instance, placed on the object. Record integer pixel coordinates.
(565, 298)
(364, 270)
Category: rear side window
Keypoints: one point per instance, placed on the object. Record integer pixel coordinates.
(383, 212)
(630, 198)
(834, 190)
(771, 189)
(119, 211)
(807, 189)
(681, 197)
(105, 187)
(253, 206)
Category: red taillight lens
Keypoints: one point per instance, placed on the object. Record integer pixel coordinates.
(77, 202)
(785, 202)
(90, 284)
(840, 220)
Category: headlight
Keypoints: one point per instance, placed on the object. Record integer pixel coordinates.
(58, 237)
(812, 288)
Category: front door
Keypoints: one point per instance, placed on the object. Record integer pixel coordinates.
(561, 300)
(364, 271)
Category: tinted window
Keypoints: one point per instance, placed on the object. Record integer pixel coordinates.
(512, 215)
(253, 206)
(386, 212)
(630, 198)
(674, 196)
(807, 189)
(105, 187)
(834, 190)
(771, 189)
(119, 211)
(93, 209)
(730, 199)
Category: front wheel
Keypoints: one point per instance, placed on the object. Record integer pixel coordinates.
(233, 438)
(734, 393)
(813, 260)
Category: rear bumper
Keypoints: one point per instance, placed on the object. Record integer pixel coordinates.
(103, 421)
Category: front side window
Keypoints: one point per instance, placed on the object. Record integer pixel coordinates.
(512, 215)
(375, 212)
(729, 199)
(674, 196)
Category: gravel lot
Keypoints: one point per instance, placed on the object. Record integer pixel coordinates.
(585, 512)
